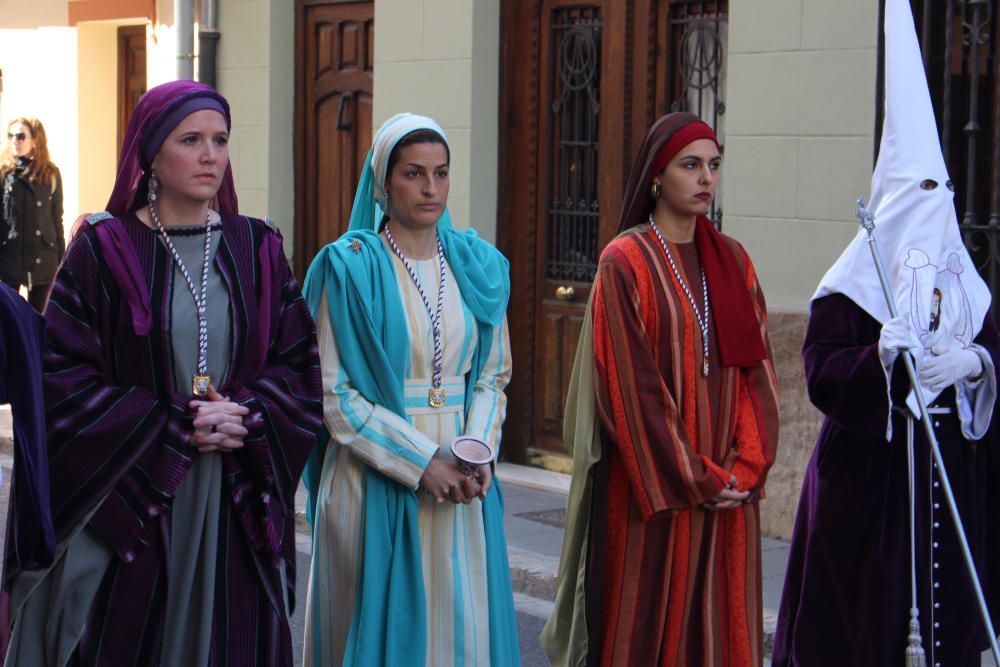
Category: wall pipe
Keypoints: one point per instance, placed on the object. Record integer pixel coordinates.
(208, 41)
(184, 24)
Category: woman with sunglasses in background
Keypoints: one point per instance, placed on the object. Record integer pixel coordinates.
(31, 227)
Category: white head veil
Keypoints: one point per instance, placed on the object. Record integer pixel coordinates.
(369, 200)
(934, 279)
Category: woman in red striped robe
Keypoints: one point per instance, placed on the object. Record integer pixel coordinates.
(673, 419)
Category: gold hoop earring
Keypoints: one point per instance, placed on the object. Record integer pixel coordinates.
(656, 190)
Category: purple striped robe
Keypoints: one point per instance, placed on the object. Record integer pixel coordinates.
(121, 432)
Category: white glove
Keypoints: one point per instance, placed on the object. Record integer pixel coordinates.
(940, 371)
(898, 335)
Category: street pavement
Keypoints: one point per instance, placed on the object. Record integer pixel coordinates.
(535, 504)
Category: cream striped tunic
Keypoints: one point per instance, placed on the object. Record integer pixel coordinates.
(364, 434)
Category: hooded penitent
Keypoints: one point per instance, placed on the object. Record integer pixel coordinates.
(934, 280)
(866, 493)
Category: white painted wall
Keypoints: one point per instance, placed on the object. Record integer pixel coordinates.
(38, 52)
(441, 58)
(800, 135)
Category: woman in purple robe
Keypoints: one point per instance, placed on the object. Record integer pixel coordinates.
(22, 339)
(183, 396)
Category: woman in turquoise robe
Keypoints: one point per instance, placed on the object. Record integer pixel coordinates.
(399, 577)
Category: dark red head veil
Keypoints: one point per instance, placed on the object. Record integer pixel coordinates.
(736, 326)
(157, 113)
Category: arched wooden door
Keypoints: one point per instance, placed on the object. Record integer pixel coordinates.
(333, 117)
(580, 84)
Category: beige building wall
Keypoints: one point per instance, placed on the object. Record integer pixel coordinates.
(256, 74)
(441, 58)
(800, 127)
(799, 148)
(97, 65)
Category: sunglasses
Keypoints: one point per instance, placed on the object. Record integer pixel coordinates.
(20, 136)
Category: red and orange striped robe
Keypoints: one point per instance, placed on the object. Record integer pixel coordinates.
(668, 582)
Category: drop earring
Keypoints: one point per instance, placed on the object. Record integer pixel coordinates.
(152, 187)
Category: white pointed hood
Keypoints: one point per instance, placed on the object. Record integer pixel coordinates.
(935, 282)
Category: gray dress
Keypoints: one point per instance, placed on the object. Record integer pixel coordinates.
(191, 567)
(51, 606)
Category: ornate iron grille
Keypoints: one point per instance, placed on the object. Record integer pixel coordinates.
(576, 106)
(697, 67)
(960, 47)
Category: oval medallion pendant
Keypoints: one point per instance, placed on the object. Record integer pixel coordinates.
(199, 384)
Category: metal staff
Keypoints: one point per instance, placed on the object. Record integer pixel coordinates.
(868, 223)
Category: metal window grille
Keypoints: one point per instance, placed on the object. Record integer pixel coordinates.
(699, 33)
(574, 208)
(960, 47)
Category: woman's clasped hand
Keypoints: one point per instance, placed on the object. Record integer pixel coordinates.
(443, 480)
(218, 423)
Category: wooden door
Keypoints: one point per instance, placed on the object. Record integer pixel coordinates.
(333, 117)
(561, 170)
(581, 82)
(131, 73)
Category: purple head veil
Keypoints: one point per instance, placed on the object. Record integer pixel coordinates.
(158, 112)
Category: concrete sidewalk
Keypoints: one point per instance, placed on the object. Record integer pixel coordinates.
(6, 430)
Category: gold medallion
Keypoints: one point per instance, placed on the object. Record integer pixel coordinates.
(435, 397)
(199, 384)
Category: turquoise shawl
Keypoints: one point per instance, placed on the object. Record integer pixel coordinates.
(389, 626)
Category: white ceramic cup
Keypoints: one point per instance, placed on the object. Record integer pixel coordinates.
(470, 453)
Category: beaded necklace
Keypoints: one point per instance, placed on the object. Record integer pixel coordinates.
(201, 379)
(703, 319)
(436, 394)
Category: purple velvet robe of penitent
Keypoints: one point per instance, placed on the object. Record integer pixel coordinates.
(120, 436)
(847, 595)
(30, 541)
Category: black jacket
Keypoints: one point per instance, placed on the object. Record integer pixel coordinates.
(34, 212)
